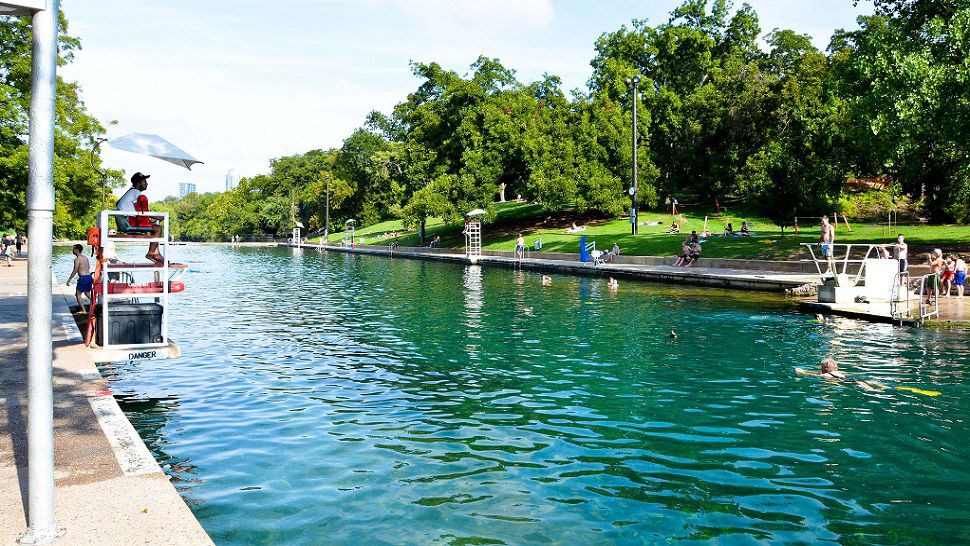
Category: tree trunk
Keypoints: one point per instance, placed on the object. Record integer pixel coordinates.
(501, 192)
(421, 233)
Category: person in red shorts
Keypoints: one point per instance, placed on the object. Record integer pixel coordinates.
(135, 201)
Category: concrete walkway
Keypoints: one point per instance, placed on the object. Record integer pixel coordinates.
(109, 490)
(740, 279)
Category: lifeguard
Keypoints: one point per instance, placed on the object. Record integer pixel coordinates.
(135, 201)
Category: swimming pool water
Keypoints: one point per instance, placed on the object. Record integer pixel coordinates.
(339, 399)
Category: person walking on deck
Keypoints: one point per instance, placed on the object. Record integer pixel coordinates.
(7, 250)
(826, 241)
(85, 282)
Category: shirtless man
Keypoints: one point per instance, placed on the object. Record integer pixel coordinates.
(959, 274)
(825, 242)
(935, 261)
(902, 253)
(85, 282)
(520, 248)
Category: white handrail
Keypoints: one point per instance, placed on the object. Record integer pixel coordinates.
(845, 261)
(925, 313)
(163, 269)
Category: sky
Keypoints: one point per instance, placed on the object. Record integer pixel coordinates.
(238, 83)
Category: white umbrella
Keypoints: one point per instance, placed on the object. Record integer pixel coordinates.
(155, 146)
(477, 212)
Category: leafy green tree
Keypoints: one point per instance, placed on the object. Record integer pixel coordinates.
(77, 184)
(906, 84)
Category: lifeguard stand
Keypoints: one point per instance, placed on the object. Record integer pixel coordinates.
(349, 232)
(135, 305)
(473, 235)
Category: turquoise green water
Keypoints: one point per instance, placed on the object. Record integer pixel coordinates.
(335, 399)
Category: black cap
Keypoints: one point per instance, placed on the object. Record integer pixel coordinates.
(138, 177)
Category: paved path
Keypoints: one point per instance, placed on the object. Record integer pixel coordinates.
(109, 490)
(770, 281)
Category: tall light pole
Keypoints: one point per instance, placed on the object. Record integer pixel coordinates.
(326, 222)
(42, 529)
(634, 213)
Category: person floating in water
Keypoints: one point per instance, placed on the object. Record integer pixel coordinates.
(830, 370)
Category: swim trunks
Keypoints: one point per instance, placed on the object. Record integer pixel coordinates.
(903, 265)
(826, 249)
(947, 276)
(959, 278)
(85, 283)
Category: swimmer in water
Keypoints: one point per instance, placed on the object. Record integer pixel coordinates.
(613, 285)
(830, 370)
(546, 280)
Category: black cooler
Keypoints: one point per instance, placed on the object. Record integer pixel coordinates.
(131, 323)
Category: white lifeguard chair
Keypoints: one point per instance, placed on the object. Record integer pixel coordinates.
(349, 232)
(115, 296)
(296, 238)
(473, 235)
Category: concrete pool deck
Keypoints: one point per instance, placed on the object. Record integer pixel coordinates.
(108, 488)
(718, 277)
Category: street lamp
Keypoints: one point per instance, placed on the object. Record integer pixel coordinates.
(42, 529)
(326, 222)
(633, 210)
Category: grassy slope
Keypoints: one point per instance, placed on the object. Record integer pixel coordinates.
(766, 242)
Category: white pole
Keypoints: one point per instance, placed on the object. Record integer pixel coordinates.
(40, 226)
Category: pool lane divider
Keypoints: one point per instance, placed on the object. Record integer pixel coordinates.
(751, 280)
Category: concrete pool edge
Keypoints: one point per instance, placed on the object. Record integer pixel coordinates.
(108, 487)
(752, 280)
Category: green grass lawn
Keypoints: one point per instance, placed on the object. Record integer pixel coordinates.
(766, 241)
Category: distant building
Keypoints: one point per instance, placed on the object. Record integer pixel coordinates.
(186, 188)
(232, 180)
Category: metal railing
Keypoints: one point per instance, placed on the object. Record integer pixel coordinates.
(900, 289)
(162, 274)
(845, 261)
(927, 309)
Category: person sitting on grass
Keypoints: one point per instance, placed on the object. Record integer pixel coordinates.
(728, 230)
(435, 241)
(135, 201)
(830, 370)
(744, 229)
(574, 228)
(674, 228)
(694, 237)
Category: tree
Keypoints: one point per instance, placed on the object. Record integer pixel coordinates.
(77, 184)
(906, 85)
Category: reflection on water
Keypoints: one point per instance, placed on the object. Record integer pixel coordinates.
(329, 398)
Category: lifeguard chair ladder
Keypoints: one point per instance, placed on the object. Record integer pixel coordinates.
(350, 230)
(165, 275)
(473, 235)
